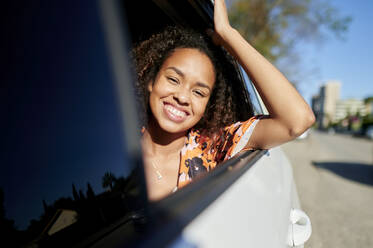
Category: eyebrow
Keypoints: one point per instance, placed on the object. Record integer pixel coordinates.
(176, 70)
(180, 73)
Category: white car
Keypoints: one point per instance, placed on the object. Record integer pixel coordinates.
(304, 135)
(73, 174)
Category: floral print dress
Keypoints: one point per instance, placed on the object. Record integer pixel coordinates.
(199, 156)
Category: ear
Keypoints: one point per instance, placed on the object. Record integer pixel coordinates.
(150, 86)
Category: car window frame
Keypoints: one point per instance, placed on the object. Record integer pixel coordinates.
(252, 92)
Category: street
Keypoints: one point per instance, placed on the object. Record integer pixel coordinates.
(334, 178)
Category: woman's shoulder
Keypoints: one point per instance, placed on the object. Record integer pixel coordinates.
(236, 136)
(243, 124)
(200, 136)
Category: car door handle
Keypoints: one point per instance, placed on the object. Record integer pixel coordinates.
(299, 228)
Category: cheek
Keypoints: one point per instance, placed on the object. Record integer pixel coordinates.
(200, 107)
(157, 92)
(162, 89)
(153, 101)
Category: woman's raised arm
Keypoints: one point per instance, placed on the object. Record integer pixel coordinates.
(289, 115)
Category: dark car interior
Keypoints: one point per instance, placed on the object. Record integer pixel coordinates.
(146, 17)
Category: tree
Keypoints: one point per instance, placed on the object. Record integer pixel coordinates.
(368, 100)
(9, 234)
(75, 193)
(275, 27)
(90, 192)
(45, 206)
(367, 121)
(81, 195)
(108, 180)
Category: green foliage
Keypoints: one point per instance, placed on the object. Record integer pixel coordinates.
(367, 121)
(368, 100)
(275, 27)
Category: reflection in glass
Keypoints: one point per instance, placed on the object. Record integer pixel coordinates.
(67, 178)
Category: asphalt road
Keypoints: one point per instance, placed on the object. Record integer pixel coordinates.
(334, 178)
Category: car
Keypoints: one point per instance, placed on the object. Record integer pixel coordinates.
(369, 132)
(331, 131)
(73, 174)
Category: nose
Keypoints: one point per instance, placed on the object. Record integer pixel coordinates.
(182, 96)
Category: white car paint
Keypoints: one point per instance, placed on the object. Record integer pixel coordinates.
(253, 212)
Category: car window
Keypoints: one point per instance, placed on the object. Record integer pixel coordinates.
(67, 177)
(254, 96)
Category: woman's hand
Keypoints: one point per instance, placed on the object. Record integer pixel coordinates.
(221, 23)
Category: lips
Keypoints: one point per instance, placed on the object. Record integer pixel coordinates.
(174, 113)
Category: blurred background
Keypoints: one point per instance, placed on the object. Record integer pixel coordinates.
(324, 48)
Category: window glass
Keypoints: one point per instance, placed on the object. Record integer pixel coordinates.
(254, 96)
(66, 175)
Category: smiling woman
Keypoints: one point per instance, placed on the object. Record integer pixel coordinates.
(190, 123)
(181, 90)
(186, 101)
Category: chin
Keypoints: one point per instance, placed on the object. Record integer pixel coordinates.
(174, 128)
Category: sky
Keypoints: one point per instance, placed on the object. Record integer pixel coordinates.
(349, 61)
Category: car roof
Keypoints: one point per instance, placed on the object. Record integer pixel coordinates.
(145, 17)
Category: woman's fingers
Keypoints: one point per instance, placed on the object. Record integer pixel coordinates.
(221, 24)
(221, 21)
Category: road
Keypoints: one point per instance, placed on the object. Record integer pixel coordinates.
(334, 177)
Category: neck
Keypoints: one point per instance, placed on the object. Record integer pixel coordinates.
(157, 142)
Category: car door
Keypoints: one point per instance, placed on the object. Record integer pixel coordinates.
(246, 201)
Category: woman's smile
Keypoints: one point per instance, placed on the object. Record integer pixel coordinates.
(174, 113)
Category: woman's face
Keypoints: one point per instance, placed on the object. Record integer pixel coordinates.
(182, 88)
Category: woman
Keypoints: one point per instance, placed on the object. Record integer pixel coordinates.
(190, 123)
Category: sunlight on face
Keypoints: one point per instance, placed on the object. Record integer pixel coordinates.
(181, 90)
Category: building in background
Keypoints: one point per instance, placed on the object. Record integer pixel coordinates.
(349, 107)
(344, 114)
(324, 104)
(316, 108)
(369, 105)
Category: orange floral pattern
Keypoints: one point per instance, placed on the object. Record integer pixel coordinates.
(199, 155)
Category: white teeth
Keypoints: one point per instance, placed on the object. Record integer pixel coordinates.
(174, 111)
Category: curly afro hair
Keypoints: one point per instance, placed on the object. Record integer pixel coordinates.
(149, 56)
